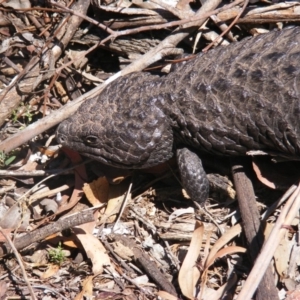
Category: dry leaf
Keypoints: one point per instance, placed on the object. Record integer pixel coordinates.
(166, 296)
(3, 289)
(87, 289)
(179, 212)
(124, 252)
(97, 191)
(80, 178)
(95, 251)
(293, 295)
(212, 294)
(189, 273)
(215, 253)
(282, 255)
(49, 205)
(5, 231)
(16, 217)
(16, 4)
(116, 196)
(221, 242)
(279, 175)
(283, 252)
(50, 151)
(30, 166)
(76, 56)
(52, 270)
(226, 251)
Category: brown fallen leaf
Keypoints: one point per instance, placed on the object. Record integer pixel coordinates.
(16, 217)
(226, 251)
(217, 253)
(166, 296)
(212, 294)
(283, 252)
(51, 271)
(189, 274)
(87, 289)
(97, 191)
(80, 178)
(221, 242)
(293, 295)
(275, 175)
(3, 289)
(116, 196)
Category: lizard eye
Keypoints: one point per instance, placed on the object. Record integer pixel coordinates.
(91, 139)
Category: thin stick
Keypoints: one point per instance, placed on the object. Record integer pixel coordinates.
(286, 216)
(19, 259)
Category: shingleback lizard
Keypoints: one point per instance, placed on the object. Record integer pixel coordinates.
(231, 100)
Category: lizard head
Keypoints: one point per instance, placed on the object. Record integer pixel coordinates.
(125, 133)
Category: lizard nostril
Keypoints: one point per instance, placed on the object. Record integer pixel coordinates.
(61, 139)
(61, 135)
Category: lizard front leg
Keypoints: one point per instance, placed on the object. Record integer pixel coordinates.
(193, 176)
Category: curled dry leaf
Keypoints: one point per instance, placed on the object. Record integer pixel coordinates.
(49, 205)
(179, 212)
(189, 274)
(275, 175)
(216, 253)
(226, 251)
(15, 217)
(221, 242)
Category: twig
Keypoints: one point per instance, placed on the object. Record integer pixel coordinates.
(49, 193)
(78, 14)
(285, 218)
(124, 203)
(278, 203)
(30, 75)
(148, 265)
(251, 223)
(52, 290)
(20, 262)
(228, 28)
(197, 20)
(40, 234)
(175, 11)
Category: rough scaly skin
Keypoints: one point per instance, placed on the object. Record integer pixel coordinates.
(228, 101)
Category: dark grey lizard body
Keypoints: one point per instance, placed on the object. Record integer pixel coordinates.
(228, 101)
